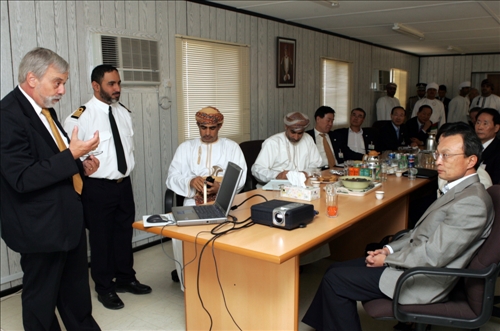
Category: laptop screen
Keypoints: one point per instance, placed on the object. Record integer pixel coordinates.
(228, 187)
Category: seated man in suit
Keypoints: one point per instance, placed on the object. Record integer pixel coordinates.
(487, 127)
(447, 235)
(394, 134)
(286, 151)
(419, 126)
(355, 141)
(328, 147)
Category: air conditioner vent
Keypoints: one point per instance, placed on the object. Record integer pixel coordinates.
(135, 59)
(109, 46)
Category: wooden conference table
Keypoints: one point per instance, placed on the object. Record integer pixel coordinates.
(258, 267)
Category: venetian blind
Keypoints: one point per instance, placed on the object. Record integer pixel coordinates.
(400, 77)
(336, 89)
(211, 73)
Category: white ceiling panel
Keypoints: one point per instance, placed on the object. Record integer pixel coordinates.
(473, 26)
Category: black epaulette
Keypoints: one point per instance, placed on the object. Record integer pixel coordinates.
(78, 112)
(125, 107)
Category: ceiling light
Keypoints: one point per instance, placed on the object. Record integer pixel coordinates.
(403, 29)
(455, 49)
(334, 3)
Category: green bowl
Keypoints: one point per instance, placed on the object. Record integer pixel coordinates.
(356, 182)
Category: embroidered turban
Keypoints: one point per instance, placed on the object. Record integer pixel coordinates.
(209, 115)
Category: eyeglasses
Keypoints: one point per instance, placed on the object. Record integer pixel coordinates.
(445, 156)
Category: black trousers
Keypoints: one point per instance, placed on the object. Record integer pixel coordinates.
(344, 283)
(109, 211)
(57, 279)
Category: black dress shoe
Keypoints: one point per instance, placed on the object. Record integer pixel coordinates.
(134, 287)
(175, 276)
(110, 300)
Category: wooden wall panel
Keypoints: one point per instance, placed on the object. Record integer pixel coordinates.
(452, 70)
(193, 19)
(9, 81)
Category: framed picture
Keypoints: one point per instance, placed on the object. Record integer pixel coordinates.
(286, 62)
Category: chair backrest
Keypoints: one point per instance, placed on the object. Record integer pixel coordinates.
(251, 150)
(379, 124)
(487, 254)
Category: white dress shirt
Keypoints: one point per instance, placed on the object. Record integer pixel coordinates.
(96, 118)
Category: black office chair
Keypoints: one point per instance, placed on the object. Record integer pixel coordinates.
(470, 303)
(251, 150)
(171, 200)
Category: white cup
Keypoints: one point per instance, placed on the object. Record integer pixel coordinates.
(399, 173)
(379, 195)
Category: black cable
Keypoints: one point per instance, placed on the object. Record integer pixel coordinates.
(234, 226)
(253, 196)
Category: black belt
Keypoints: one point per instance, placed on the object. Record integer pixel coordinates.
(117, 181)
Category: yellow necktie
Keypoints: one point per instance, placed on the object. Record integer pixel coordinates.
(328, 151)
(77, 180)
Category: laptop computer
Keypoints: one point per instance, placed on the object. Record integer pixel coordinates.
(216, 213)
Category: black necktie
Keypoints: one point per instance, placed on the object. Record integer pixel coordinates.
(120, 155)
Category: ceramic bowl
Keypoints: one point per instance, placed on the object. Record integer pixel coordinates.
(356, 182)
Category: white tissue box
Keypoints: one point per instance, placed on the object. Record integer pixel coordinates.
(302, 193)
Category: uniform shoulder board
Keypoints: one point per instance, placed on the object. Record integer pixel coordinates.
(125, 107)
(78, 112)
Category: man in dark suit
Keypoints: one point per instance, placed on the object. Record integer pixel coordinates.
(419, 126)
(413, 99)
(328, 147)
(354, 140)
(487, 127)
(394, 133)
(447, 235)
(41, 210)
(442, 97)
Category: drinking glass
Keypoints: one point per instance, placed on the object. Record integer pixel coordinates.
(331, 202)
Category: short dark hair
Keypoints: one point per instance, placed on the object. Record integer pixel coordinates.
(99, 71)
(488, 83)
(423, 107)
(322, 111)
(492, 112)
(475, 109)
(397, 107)
(472, 143)
(361, 110)
(442, 87)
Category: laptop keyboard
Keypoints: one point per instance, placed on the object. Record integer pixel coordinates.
(209, 211)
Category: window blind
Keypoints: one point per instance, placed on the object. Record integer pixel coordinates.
(211, 73)
(336, 89)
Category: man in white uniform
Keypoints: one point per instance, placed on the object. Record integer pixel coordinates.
(458, 108)
(487, 99)
(108, 200)
(438, 117)
(196, 159)
(386, 103)
(286, 151)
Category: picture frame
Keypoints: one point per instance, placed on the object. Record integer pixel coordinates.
(286, 62)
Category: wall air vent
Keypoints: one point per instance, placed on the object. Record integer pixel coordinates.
(136, 59)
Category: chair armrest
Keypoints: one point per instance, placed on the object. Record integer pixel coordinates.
(399, 234)
(489, 275)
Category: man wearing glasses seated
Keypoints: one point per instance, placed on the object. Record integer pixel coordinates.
(447, 235)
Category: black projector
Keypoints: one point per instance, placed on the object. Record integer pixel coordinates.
(283, 214)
